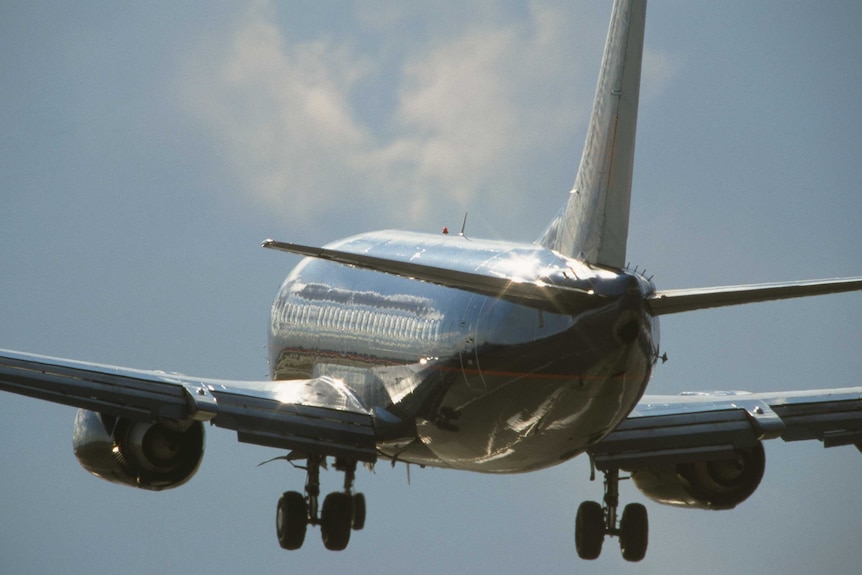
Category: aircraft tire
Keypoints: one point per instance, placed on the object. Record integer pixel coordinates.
(589, 530)
(358, 511)
(336, 520)
(291, 520)
(634, 532)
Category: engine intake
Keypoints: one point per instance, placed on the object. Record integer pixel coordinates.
(712, 484)
(145, 455)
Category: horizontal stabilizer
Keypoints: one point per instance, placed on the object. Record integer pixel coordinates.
(675, 301)
(533, 293)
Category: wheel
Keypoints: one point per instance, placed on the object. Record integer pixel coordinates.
(634, 532)
(358, 511)
(589, 530)
(291, 520)
(336, 520)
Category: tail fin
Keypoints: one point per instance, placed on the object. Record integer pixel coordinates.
(593, 225)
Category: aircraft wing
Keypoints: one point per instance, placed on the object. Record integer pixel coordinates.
(319, 415)
(670, 430)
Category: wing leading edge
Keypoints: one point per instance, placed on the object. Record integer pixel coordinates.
(319, 415)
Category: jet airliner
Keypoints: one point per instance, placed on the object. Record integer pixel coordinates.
(449, 351)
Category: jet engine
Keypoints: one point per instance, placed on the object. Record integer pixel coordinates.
(145, 455)
(712, 484)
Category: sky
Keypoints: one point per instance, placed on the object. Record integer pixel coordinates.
(146, 151)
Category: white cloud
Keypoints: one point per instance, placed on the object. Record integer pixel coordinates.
(279, 112)
(472, 109)
(658, 70)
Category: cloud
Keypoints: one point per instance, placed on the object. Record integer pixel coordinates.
(468, 109)
(658, 69)
(277, 111)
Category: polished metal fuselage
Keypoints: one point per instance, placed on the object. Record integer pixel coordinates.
(463, 380)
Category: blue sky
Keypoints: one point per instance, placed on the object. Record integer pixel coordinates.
(145, 153)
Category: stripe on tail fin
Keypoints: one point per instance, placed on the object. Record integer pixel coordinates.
(593, 224)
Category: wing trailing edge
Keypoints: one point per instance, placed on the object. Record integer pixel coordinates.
(680, 300)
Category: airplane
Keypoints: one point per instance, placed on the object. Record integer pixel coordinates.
(444, 350)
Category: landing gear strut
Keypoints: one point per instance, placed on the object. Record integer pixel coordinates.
(594, 522)
(342, 512)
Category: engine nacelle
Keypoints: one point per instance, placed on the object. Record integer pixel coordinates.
(713, 484)
(145, 455)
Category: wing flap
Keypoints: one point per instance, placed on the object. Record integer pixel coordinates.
(308, 428)
(666, 430)
(660, 440)
(319, 415)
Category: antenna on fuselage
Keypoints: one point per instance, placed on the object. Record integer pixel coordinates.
(463, 224)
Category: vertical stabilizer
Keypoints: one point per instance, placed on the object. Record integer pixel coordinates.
(593, 224)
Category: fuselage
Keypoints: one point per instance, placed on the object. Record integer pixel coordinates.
(463, 380)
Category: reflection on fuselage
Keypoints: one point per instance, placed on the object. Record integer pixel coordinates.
(474, 382)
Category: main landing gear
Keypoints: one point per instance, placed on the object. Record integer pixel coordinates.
(594, 522)
(343, 511)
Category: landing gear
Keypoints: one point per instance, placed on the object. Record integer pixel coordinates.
(594, 522)
(342, 512)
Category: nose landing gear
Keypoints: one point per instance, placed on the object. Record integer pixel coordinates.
(342, 512)
(594, 522)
